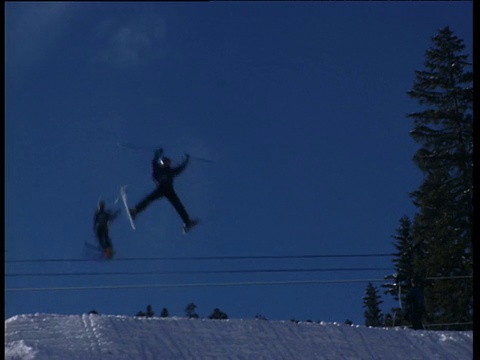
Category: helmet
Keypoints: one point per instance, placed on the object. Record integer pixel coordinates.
(165, 161)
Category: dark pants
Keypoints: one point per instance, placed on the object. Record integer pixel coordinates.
(103, 237)
(169, 193)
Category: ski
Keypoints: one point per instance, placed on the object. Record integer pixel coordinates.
(123, 195)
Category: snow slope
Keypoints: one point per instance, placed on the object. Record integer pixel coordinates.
(43, 336)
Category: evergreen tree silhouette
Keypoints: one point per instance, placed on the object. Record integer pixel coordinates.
(218, 315)
(190, 311)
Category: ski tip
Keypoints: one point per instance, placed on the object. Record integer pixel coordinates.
(123, 190)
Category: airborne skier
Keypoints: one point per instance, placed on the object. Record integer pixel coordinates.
(163, 175)
(101, 222)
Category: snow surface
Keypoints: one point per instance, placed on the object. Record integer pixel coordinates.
(46, 336)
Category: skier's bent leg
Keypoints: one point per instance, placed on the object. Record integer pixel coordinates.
(154, 195)
(102, 236)
(108, 241)
(177, 204)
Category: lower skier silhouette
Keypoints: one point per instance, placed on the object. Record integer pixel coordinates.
(101, 223)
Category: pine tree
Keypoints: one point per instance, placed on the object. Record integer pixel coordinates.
(164, 313)
(372, 301)
(407, 255)
(260, 317)
(149, 312)
(442, 228)
(404, 260)
(190, 311)
(218, 315)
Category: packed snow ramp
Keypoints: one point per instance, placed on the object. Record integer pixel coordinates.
(42, 336)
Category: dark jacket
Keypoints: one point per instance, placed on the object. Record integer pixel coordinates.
(102, 217)
(164, 175)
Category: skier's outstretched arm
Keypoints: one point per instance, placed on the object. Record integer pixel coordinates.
(182, 166)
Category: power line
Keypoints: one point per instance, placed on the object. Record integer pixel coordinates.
(205, 258)
(247, 271)
(185, 285)
(218, 284)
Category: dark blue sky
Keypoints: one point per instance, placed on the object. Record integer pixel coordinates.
(301, 106)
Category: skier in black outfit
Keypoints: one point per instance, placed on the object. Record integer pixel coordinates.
(101, 222)
(163, 176)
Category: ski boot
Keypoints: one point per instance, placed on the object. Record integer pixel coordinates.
(108, 253)
(188, 226)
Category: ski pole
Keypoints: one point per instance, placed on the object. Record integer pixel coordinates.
(201, 159)
(131, 146)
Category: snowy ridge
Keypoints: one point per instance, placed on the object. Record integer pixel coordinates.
(44, 336)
